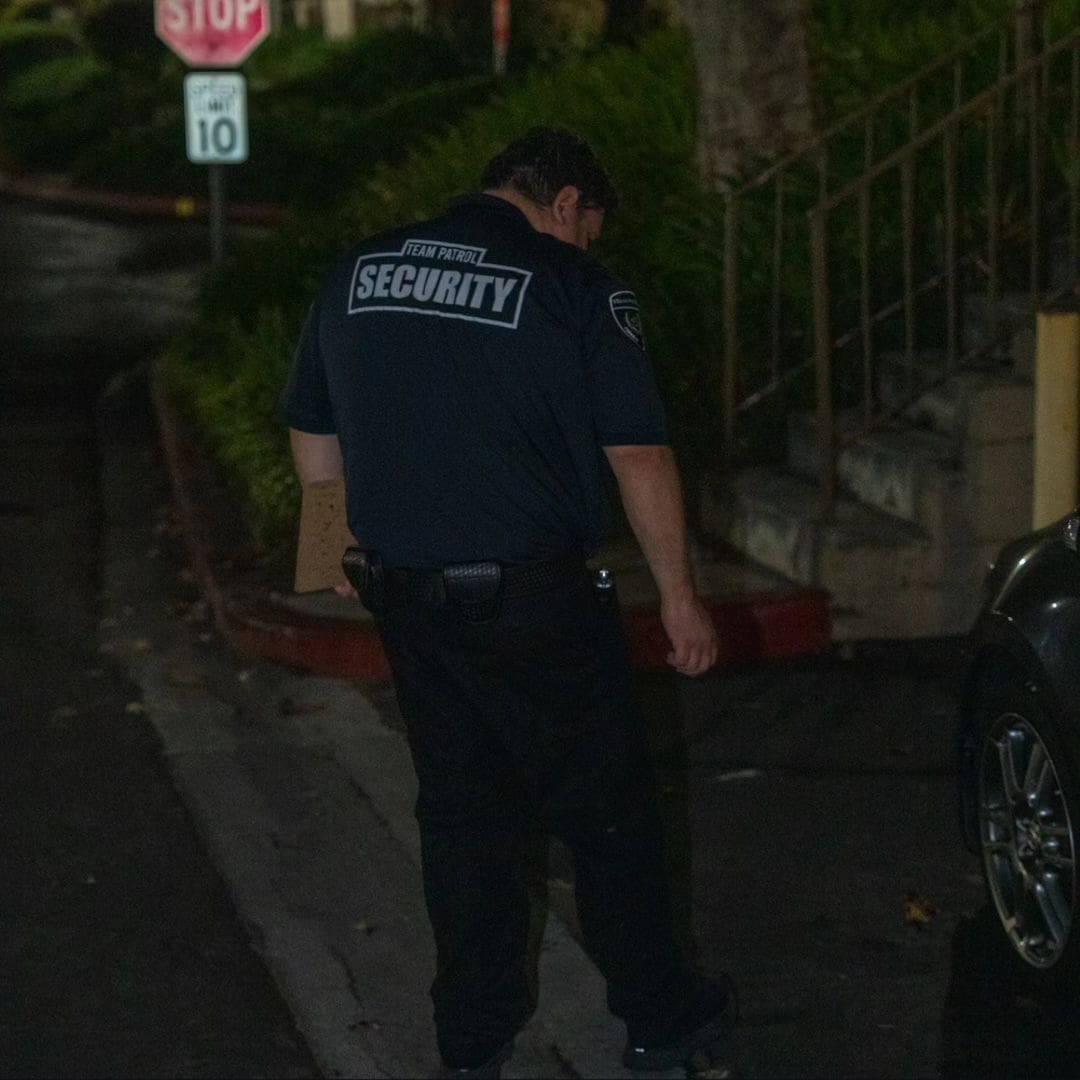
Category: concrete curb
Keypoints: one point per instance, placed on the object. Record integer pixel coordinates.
(751, 628)
(58, 192)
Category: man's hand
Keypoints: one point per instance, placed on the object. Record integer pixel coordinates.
(652, 498)
(346, 592)
(692, 635)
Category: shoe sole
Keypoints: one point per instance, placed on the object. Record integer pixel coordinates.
(707, 1037)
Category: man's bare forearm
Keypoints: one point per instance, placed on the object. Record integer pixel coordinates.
(651, 495)
(315, 457)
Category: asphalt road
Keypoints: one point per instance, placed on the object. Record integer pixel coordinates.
(120, 952)
(810, 804)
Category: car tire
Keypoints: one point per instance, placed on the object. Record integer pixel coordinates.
(1028, 810)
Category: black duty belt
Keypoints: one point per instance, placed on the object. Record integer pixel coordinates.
(477, 584)
(476, 588)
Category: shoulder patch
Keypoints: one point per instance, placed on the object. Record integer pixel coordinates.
(627, 315)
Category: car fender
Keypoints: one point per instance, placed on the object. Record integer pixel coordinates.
(1029, 629)
(1035, 619)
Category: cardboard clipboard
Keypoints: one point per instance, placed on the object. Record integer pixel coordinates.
(323, 537)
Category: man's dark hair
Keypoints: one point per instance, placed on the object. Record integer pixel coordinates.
(544, 161)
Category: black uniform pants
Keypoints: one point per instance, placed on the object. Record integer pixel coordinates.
(531, 716)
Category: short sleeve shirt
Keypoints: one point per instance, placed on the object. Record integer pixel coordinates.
(473, 369)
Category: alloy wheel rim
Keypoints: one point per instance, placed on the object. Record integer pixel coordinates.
(1027, 840)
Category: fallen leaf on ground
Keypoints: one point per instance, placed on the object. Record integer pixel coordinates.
(362, 926)
(134, 708)
(917, 911)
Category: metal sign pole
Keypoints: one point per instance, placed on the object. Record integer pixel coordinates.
(500, 35)
(217, 213)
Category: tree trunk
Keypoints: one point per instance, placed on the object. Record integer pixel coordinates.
(755, 95)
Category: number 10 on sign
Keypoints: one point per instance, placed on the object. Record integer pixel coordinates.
(215, 107)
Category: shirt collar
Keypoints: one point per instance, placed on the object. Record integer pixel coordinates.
(492, 204)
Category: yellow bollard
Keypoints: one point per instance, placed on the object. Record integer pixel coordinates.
(1056, 480)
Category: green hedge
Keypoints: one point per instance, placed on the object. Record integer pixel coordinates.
(28, 42)
(233, 412)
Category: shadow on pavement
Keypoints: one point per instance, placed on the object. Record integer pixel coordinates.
(994, 1023)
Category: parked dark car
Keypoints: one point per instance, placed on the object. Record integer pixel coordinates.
(1019, 741)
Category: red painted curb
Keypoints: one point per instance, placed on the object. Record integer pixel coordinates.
(751, 629)
(755, 628)
(182, 207)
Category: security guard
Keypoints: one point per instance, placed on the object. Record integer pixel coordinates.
(478, 378)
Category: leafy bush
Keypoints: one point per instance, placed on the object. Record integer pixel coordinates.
(233, 409)
(49, 106)
(363, 71)
(288, 56)
(302, 152)
(308, 153)
(122, 33)
(26, 9)
(26, 43)
(52, 84)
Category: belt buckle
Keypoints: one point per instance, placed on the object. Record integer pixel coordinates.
(475, 588)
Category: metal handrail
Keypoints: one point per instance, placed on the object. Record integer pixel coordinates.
(1032, 77)
(1028, 81)
(813, 145)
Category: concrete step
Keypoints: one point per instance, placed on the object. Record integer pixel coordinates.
(886, 577)
(773, 517)
(990, 325)
(973, 407)
(910, 473)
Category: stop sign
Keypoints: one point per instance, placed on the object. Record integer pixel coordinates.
(212, 33)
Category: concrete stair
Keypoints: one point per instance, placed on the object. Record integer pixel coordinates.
(926, 502)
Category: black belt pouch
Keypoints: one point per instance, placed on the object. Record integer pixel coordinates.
(364, 569)
(476, 588)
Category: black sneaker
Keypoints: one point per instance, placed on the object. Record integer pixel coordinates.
(489, 1070)
(705, 1024)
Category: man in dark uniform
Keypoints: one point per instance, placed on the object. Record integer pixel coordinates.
(478, 378)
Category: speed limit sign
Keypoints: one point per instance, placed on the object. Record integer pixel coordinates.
(215, 107)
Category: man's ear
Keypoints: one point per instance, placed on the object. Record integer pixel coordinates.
(565, 203)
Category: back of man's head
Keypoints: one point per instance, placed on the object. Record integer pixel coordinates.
(544, 161)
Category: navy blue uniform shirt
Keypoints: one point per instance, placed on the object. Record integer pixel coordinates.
(473, 369)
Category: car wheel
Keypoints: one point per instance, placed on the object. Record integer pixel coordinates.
(1028, 813)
